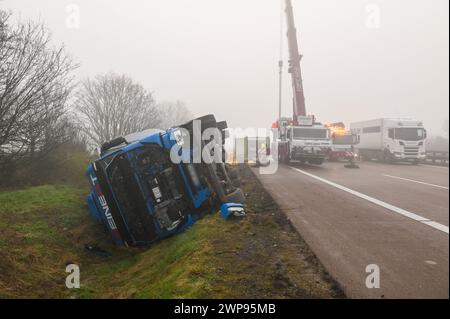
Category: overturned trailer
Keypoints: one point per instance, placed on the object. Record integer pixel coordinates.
(141, 194)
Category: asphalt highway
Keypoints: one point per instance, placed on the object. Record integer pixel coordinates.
(394, 216)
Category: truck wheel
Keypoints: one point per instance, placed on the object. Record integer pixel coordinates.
(316, 161)
(236, 196)
(387, 157)
(222, 125)
(207, 121)
(284, 159)
(234, 176)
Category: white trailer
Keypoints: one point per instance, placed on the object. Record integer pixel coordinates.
(391, 139)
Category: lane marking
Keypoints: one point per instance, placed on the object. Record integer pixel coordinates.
(436, 225)
(435, 166)
(414, 181)
(378, 202)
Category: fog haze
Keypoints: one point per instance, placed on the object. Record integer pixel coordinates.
(221, 56)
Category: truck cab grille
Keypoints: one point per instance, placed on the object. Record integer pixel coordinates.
(411, 150)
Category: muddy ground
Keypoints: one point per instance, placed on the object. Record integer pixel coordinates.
(267, 246)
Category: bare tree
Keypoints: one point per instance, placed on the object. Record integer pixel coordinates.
(5, 37)
(114, 105)
(35, 82)
(43, 131)
(173, 113)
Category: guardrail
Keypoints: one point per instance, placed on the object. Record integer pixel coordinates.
(437, 158)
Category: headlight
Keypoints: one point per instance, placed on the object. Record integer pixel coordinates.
(401, 143)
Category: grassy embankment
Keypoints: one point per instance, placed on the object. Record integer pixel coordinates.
(44, 228)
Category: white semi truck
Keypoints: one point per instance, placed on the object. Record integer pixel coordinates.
(391, 139)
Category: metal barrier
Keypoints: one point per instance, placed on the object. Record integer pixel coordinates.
(437, 158)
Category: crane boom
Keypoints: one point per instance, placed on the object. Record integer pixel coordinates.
(294, 65)
(300, 138)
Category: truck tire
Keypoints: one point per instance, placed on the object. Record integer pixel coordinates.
(236, 196)
(380, 156)
(222, 125)
(316, 161)
(207, 121)
(387, 157)
(319, 161)
(115, 142)
(234, 176)
(284, 158)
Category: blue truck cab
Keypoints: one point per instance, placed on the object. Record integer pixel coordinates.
(142, 196)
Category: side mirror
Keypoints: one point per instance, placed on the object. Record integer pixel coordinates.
(424, 133)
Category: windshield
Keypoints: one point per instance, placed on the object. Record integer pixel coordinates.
(313, 133)
(409, 133)
(343, 140)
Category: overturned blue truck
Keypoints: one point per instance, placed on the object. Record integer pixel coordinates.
(142, 195)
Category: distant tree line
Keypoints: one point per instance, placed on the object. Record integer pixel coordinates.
(47, 119)
(113, 105)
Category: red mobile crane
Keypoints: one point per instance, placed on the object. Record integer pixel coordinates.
(294, 65)
(300, 137)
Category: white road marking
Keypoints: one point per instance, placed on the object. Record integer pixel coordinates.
(436, 225)
(435, 166)
(414, 181)
(378, 202)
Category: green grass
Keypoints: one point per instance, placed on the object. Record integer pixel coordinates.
(36, 239)
(31, 200)
(44, 228)
(176, 267)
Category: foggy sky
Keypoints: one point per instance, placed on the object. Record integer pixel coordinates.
(220, 56)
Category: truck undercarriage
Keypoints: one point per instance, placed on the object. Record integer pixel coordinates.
(141, 195)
